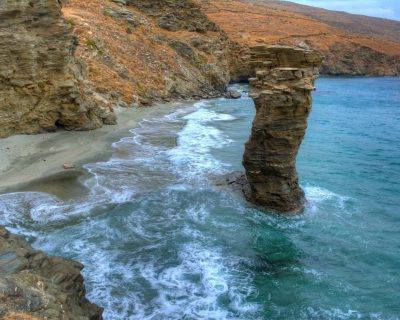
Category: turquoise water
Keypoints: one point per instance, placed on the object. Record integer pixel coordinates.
(160, 241)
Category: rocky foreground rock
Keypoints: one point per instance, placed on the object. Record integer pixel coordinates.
(34, 286)
(281, 89)
(42, 84)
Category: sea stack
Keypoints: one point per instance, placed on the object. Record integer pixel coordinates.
(281, 90)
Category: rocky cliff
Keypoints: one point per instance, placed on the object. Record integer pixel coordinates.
(352, 44)
(281, 89)
(139, 52)
(35, 286)
(41, 83)
(67, 69)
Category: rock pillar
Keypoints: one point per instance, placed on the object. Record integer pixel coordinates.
(281, 89)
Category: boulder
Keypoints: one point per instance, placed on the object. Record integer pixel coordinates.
(36, 286)
(233, 94)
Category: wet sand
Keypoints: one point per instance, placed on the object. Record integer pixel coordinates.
(36, 162)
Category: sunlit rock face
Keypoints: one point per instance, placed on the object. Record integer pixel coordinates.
(281, 89)
(42, 84)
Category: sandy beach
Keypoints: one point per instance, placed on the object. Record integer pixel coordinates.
(32, 162)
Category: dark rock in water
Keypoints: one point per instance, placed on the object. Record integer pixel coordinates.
(233, 94)
(236, 181)
(35, 286)
(281, 89)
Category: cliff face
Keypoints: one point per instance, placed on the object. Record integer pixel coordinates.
(41, 83)
(140, 52)
(34, 286)
(281, 89)
(352, 45)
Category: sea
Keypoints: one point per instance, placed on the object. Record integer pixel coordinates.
(161, 240)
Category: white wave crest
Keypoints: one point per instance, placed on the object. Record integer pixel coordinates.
(317, 195)
(192, 156)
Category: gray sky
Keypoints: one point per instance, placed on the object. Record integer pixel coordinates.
(378, 8)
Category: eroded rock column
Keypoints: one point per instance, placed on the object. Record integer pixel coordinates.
(281, 89)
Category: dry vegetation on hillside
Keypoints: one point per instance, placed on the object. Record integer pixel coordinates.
(144, 51)
(141, 54)
(346, 50)
(369, 26)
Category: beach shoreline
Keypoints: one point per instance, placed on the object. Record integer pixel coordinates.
(28, 160)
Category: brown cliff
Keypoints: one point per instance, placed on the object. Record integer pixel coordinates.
(35, 286)
(139, 52)
(352, 44)
(41, 83)
(281, 89)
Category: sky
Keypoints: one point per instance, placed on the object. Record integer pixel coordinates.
(389, 9)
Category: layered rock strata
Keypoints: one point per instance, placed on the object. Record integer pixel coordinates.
(42, 84)
(281, 89)
(35, 286)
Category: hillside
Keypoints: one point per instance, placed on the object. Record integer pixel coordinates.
(369, 26)
(352, 44)
(144, 51)
(97, 54)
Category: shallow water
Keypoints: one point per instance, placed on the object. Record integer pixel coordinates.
(159, 241)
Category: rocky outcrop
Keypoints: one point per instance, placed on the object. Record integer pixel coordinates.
(143, 51)
(35, 286)
(138, 52)
(176, 15)
(281, 89)
(42, 85)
